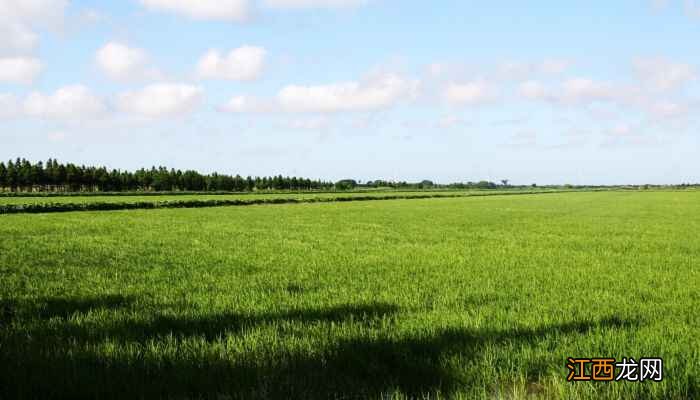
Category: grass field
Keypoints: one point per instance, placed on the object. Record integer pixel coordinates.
(151, 198)
(241, 196)
(480, 297)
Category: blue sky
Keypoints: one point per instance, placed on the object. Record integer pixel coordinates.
(543, 92)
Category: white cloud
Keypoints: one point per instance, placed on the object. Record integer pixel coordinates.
(245, 63)
(16, 38)
(248, 104)
(19, 69)
(379, 92)
(471, 93)
(33, 11)
(594, 95)
(575, 91)
(515, 70)
(121, 62)
(69, 102)
(533, 90)
(161, 100)
(19, 19)
(668, 110)
(509, 70)
(584, 90)
(437, 70)
(224, 10)
(620, 129)
(9, 106)
(661, 74)
(314, 3)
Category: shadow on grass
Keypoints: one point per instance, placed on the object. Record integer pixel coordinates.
(33, 363)
(62, 307)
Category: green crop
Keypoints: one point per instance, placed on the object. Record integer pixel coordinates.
(475, 297)
(36, 204)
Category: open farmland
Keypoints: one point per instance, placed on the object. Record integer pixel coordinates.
(157, 197)
(21, 203)
(188, 197)
(475, 297)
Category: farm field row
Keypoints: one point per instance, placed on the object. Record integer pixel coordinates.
(187, 197)
(475, 297)
(239, 196)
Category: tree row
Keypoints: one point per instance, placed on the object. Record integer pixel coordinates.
(23, 175)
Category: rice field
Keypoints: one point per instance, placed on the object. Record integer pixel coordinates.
(21, 200)
(474, 297)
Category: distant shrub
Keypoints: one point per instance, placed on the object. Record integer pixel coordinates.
(346, 184)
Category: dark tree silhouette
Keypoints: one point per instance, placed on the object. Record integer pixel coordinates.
(23, 176)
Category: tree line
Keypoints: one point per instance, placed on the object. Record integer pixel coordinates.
(22, 175)
(427, 184)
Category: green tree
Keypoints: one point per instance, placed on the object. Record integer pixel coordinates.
(11, 175)
(426, 184)
(346, 184)
(3, 176)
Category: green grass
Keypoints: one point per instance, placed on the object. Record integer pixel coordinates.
(137, 199)
(76, 203)
(14, 200)
(476, 297)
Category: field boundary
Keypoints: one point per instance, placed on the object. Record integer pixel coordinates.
(41, 208)
(218, 192)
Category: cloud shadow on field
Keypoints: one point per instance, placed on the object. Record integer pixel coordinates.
(64, 307)
(61, 307)
(33, 364)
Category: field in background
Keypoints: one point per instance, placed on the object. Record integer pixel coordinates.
(476, 297)
(155, 197)
(73, 202)
(186, 197)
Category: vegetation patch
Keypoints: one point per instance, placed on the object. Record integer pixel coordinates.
(92, 204)
(481, 297)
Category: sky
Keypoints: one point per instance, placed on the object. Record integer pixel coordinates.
(585, 92)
